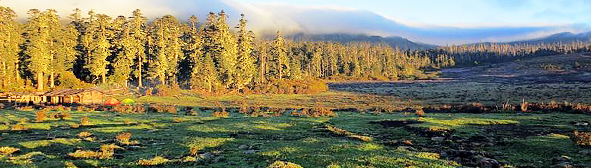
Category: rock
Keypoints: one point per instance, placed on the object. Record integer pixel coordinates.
(207, 155)
(561, 159)
(585, 152)
(218, 159)
(249, 151)
(343, 141)
(438, 139)
(38, 158)
(564, 165)
(243, 147)
(488, 162)
(562, 162)
(404, 148)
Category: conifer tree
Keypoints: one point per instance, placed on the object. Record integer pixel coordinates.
(137, 43)
(10, 41)
(226, 59)
(124, 58)
(194, 44)
(97, 44)
(166, 48)
(37, 46)
(280, 56)
(245, 67)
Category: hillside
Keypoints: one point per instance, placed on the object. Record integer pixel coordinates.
(565, 37)
(395, 42)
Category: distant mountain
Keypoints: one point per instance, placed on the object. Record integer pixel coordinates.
(395, 42)
(565, 37)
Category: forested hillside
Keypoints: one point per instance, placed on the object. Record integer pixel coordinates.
(51, 51)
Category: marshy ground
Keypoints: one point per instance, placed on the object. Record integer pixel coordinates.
(376, 125)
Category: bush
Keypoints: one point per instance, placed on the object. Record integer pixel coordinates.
(524, 106)
(41, 115)
(292, 86)
(153, 162)
(6, 150)
(281, 164)
(125, 139)
(419, 112)
(106, 152)
(84, 134)
(84, 121)
(19, 127)
(582, 138)
(60, 115)
(346, 133)
(315, 112)
(221, 114)
(165, 90)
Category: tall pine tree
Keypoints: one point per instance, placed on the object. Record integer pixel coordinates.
(10, 41)
(245, 67)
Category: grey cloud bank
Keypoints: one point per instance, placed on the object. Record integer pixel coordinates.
(265, 18)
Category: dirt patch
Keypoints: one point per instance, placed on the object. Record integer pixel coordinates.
(395, 123)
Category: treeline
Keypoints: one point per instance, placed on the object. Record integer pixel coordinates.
(475, 54)
(210, 57)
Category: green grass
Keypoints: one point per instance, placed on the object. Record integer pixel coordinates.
(297, 140)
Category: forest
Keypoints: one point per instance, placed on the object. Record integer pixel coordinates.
(49, 51)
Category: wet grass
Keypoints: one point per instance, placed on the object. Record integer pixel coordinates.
(239, 141)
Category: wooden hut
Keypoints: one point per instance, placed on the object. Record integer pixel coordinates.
(80, 96)
(25, 98)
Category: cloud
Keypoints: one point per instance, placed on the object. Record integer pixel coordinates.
(267, 18)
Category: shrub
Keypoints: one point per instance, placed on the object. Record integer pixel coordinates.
(6, 150)
(170, 109)
(315, 112)
(163, 108)
(165, 90)
(60, 115)
(19, 127)
(419, 112)
(177, 120)
(81, 108)
(124, 138)
(84, 134)
(281, 164)
(524, 106)
(346, 133)
(107, 152)
(244, 109)
(84, 121)
(221, 114)
(153, 162)
(41, 115)
(140, 109)
(582, 138)
(193, 111)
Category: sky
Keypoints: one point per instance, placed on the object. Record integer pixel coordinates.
(440, 22)
(463, 13)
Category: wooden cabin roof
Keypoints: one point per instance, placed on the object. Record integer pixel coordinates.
(70, 92)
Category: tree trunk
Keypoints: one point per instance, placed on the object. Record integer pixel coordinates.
(52, 80)
(209, 86)
(17, 75)
(39, 81)
(280, 71)
(104, 77)
(162, 80)
(139, 83)
(4, 75)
